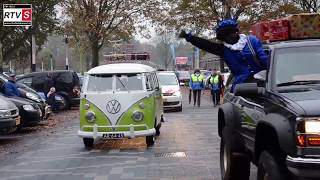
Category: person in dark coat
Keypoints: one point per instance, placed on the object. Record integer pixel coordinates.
(51, 99)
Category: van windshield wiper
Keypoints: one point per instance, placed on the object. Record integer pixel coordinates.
(122, 84)
(303, 82)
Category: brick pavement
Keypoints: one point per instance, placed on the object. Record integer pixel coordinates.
(188, 148)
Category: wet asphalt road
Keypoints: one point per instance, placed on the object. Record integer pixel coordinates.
(188, 148)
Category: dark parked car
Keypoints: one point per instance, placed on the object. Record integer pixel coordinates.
(275, 123)
(31, 94)
(9, 115)
(29, 111)
(65, 82)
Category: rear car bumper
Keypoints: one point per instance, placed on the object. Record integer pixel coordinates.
(172, 101)
(75, 101)
(126, 134)
(304, 167)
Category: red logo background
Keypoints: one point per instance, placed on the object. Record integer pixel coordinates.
(26, 14)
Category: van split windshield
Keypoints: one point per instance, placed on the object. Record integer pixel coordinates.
(118, 82)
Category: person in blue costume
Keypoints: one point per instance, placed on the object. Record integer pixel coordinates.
(10, 87)
(234, 50)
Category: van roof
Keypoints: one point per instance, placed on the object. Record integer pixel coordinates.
(121, 68)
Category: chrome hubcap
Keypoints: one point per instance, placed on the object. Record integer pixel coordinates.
(225, 158)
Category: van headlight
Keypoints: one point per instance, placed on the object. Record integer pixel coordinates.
(90, 117)
(86, 106)
(137, 116)
(28, 107)
(32, 97)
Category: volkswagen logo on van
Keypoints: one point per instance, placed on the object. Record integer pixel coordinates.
(113, 106)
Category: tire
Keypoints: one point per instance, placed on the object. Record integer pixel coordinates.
(179, 109)
(150, 140)
(233, 165)
(88, 142)
(271, 167)
(158, 130)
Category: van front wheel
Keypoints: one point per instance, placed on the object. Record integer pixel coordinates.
(150, 140)
(88, 142)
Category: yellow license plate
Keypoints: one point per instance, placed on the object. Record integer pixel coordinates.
(17, 121)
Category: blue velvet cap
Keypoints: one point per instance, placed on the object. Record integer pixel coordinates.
(226, 23)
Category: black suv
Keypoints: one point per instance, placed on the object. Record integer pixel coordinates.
(66, 84)
(275, 123)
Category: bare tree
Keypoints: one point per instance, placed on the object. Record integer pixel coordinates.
(104, 20)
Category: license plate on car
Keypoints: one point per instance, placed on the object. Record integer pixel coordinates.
(113, 136)
(17, 121)
(165, 100)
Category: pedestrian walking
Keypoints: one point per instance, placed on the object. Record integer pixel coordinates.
(196, 84)
(216, 84)
(243, 54)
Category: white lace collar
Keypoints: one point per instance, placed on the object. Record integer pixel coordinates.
(239, 45)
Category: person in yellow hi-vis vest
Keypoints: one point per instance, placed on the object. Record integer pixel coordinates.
(196, 84)
(216, 84)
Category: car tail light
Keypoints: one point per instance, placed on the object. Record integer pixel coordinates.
(301, 140)
(76, 91)
(314, 141)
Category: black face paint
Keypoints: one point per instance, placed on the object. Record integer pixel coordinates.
(232, 38)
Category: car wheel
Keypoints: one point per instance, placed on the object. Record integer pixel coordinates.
(88, 142)
(271, 167)
(233, 165)
(157, 127)
(179, 109)
(150, 140)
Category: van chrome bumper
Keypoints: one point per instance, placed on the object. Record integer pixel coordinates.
(95, 134)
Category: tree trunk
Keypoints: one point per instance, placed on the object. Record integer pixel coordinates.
(82, 57)
(1, 58)
(95, 54)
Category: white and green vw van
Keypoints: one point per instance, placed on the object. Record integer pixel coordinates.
(120, 101)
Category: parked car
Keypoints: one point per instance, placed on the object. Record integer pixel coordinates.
(275, 122)
(171, 94)
(9, 116)
(31, 94)
(184, 77)
(66, 84)
(29, 111)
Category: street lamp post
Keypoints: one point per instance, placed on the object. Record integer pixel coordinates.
(51, 63)
(33, 53)
(67, 52)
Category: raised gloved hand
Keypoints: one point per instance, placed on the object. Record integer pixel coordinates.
(182, 34)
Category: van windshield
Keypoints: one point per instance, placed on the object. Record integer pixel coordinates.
(123, 82)
(99, 82)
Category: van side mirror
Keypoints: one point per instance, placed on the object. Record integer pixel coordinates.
(248, 90)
